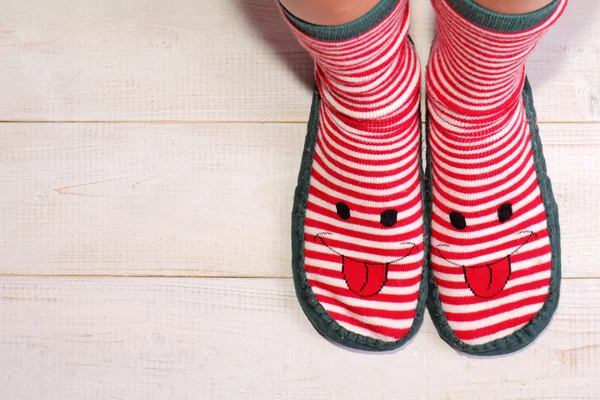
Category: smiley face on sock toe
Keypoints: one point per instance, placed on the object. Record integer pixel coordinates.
(489, 279)
(494, 226)
(364, 278)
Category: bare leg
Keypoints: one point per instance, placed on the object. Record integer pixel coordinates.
(513, 6)
(329, 12)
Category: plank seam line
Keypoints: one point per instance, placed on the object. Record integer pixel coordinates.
(192, 276)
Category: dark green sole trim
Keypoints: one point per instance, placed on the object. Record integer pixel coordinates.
(501, 22)
(527, 334)
(313, 309)
(345, 31)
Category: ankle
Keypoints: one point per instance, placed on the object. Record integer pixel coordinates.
(329, 12)
(513, 7)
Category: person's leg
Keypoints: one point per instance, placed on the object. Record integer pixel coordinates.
(495, 251)
(337, 12)
(513, 6)
(329, 12)
(357, 218)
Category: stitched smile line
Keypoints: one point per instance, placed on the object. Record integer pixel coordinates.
(531, 234)
(363, 278)
(319, 236)
(487, 280)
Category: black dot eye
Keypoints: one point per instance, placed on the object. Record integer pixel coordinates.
(458, 220)
(343, 211)
(389, 218)
(505, 212)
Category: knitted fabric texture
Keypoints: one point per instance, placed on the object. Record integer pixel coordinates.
(362, 251)
(491, 252)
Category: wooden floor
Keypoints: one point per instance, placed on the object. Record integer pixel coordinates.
(148, 156)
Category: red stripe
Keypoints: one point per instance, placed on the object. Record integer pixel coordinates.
(382, 330)
(491, 329)
(395, 298)
(371, 312)
(408, 203)
(395, 283)
(478, 315)
(505, 293)
(515, 258)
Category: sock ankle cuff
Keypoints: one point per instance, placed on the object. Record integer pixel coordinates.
(502, 22)
(344, 31)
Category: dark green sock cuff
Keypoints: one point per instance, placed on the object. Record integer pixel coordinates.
(345, 31)
(501, 22)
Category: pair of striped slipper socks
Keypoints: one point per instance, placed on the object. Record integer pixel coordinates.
(474, 237)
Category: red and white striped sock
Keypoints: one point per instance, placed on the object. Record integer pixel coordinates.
(490, 247)
(363, 229)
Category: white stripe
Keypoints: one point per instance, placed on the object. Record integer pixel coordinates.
(523, 280)
(375, 217)
(531, 262)
(404, 172)
(366, 166)
(510, 284)
(337, 267)
(341, 283)
(500, 171)
(365, 191)
(498, 335)
(459, 67)
(480, 77)
(496, 319)
(515, 266)
(366, 203)
(374, 244)
(371, 60)
(360, 135)
(382, 96)
(442, 66)
(375, 305)
(445, 88)
(378, 321)
(490, 257)
(377, 82)
(477, 199)
(395, 149)
(510, 152)
(400, 96)
(507, 233)
(415, 256)
(495, 143)
(469, 308)
(493, 216)
(450, 121)
(365, 332)
(527, 172)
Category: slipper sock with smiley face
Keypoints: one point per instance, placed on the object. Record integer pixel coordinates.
(357, 219)
(495, 252)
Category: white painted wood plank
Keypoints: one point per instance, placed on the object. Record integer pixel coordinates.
(203, 199)
(150, 60)
(142, 338)
(229, 60)
(181, 199)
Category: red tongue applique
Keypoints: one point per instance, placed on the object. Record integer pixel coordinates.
(363, 278)
(486, 281)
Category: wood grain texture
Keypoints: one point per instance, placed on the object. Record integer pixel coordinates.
(142, 338)
(228, 60)
(206, 200)
(203, 199)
